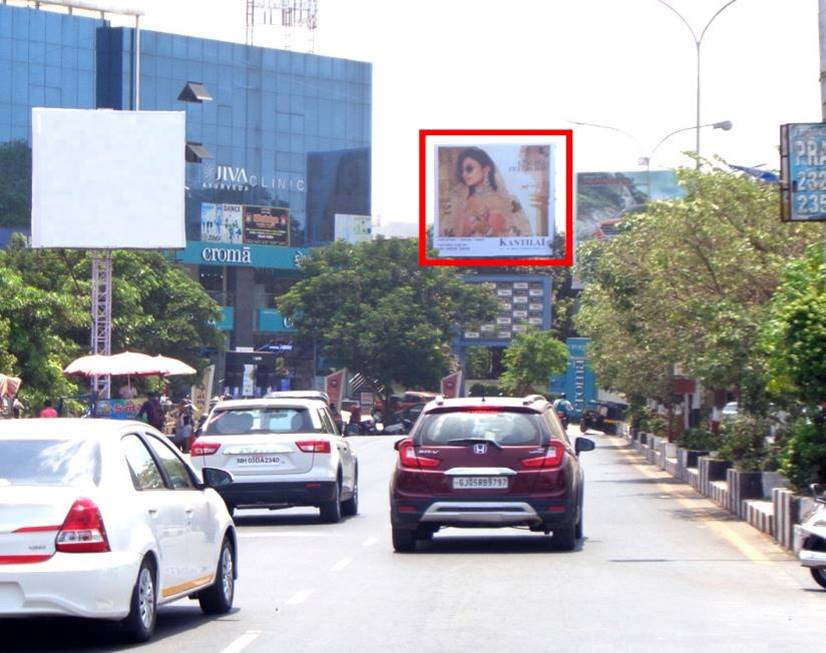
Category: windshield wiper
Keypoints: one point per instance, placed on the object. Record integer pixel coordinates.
(474, 441)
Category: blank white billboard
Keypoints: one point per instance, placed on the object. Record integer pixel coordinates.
(104, 179)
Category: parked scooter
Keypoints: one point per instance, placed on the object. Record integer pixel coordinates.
(812, 537)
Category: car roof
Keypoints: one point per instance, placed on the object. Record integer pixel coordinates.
(65, 427)
(265, 402)
(534, 402)
(298, 394)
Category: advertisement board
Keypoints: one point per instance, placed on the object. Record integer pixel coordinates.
(222, 223)
(494, 200)
(353, 228)
(108, 179)
(266, 225)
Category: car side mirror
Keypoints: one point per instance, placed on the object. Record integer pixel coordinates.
(818, 492)
(584, 444)
(214, 477)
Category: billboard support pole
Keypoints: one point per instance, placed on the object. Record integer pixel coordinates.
(101, 316)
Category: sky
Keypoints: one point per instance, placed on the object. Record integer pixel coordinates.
(539, 64)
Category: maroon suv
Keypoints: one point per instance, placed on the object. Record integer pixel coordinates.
(487, 462)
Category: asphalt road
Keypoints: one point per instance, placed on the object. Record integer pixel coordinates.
(660, 569)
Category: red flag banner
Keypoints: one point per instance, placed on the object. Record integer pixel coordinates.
(452, 385)
(334, 386)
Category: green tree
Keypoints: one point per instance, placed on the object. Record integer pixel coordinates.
(689, 281)
(45, 318)
(373, 309)
(795, 330)
(530, 359)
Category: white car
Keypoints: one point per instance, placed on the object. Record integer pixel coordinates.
(280, 453)
(104, 519)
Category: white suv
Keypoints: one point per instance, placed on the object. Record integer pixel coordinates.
(280, 453)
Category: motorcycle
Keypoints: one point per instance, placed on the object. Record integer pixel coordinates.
(811, 537)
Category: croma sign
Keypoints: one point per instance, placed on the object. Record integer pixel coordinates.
(227, 255)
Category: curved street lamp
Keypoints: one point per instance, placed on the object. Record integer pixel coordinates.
(698, 41)
(725, 125)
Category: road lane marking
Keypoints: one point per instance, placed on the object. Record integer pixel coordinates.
(299, 597)
(724, 531)
(341, 564)
(283, 534)
(370, 541)
(242, 642)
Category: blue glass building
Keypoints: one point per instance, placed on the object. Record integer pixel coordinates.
(288, 135)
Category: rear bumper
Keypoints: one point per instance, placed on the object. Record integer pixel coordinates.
(490, 512)
(95, 585)
(294, 493)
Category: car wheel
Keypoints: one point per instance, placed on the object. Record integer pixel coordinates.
(217, 598)
(579, 521)
(143, 608)
(425, 534)
(350, 507)
(331, 510)
(404, 540)
(819, 574)
(564, 538)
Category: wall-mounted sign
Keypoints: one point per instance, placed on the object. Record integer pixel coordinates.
(266, 225)
(803, 172)
(222, 223)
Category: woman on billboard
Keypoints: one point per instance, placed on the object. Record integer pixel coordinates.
(482, 205)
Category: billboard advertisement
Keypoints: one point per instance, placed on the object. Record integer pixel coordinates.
(222, 223)
(266, 225)
(803, 166)
(108, 179)
(353, 228)
(494, 200)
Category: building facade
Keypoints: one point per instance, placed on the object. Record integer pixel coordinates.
(278, 143)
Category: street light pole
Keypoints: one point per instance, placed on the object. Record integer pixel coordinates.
(698, 41)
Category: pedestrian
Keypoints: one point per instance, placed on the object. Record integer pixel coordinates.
(355, 418)
(48, 411)
(152, 409)
(183, 426)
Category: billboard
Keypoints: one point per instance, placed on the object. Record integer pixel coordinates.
(266, 225)
(222, 223)
(353, 228)
(105, 179)
(494, 200)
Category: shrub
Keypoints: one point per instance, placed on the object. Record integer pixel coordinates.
(699, 439)
(743, 442)
(484, 390)
(658, 425)
(803, 460)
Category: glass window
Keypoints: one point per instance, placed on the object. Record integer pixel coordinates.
(49, 462)
(174, 467)
(145, 472)
(264, 419)
(501, 426)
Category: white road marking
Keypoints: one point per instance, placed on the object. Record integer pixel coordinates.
(370, 541)
(284, 534)
(299, 597)
(242, 642)
(341, 564)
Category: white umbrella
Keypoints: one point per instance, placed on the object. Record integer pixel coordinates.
(128, 363)
(172, 366)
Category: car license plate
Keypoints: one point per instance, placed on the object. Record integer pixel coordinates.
(260, 460)
(480, 482)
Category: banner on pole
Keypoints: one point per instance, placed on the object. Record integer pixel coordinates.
(335, 385)
(451, 385)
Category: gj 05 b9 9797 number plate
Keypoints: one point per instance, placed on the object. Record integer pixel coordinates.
(480, 482)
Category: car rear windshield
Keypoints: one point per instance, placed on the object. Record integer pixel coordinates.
(49, 462)
(500, 425)
(263, 419)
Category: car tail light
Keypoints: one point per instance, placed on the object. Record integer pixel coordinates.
(551, 459)
(314, 446)
(408, 457)
(82, 530)
(203, 448)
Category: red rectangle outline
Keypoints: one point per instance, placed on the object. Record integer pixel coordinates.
(568, 260)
